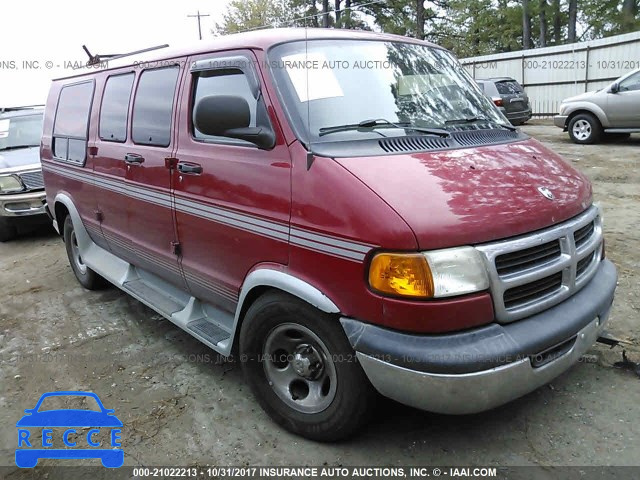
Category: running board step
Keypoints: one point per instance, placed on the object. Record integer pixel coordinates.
(158, 300)
(208, 331)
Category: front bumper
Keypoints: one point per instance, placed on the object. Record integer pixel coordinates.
(560, 121)
(483, 368)
(23, 204)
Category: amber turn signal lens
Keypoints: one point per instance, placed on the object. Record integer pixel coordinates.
(407, 275)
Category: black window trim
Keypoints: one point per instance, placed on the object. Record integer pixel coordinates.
(174, 102)
(129, 106)
(67, 137)
(225, 62)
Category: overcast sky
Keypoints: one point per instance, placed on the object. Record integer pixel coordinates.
(54, 31)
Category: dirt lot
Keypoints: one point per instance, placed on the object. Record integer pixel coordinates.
(182, 406)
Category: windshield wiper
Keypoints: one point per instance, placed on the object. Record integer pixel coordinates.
(16, 147)
(480, 119)
(383, 123)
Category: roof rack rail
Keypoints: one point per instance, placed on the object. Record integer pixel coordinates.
(97, 59)
(22, 107)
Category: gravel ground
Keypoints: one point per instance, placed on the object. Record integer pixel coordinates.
(182, 405)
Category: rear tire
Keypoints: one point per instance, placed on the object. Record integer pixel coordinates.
(585, 129)
(7, 230)
(302, 369)
(87, 277)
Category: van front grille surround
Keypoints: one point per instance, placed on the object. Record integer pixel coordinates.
(533, 272)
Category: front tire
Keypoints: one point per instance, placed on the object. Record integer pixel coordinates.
(87, 277)
(585, 129)
(302, 369)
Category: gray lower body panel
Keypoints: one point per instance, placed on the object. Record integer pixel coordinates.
(477, 391)
(481, 368)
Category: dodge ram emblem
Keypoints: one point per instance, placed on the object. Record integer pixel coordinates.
(546, 193)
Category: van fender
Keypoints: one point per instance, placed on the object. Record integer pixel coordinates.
(84, 241)
(269, 277)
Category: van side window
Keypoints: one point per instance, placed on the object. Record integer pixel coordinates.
(71, 125)
(222, 82)
(153, 107)
(115, 108)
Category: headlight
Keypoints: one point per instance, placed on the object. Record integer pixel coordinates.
(563, 107)
(10, 184)
(433, 274)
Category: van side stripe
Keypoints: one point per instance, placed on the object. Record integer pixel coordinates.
(281, 227)
(173, 267)
(357, 247)
(319, 242)
(328, 249)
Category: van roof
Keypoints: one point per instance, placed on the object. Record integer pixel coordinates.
(257, 39)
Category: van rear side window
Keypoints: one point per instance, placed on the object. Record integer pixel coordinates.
(115, 108)
(153, 107)
(71, 126)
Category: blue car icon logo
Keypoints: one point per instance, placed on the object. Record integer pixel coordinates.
(29, 452)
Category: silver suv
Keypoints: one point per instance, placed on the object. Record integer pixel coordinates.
(21, 187)
(613, 110)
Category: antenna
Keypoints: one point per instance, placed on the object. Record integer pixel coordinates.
(97, 59)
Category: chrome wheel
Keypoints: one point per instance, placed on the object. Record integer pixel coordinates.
(299, 369)
(75, 252)
(582, 130)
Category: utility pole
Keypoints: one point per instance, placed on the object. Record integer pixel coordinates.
(199, 16)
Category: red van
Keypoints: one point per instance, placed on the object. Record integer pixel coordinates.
(346, 211)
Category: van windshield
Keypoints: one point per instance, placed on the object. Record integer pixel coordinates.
(376, 88)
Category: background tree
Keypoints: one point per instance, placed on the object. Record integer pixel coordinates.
(542, 15)
(325, 13)
(573, 18)
(242, 15)
(467, 27)
(526, 24)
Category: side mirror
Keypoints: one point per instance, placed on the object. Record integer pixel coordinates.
(615, 88)
(229, 116)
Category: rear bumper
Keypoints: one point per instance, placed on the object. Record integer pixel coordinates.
(560, 121)
(22, 204)
(483, 368)
(519, 116)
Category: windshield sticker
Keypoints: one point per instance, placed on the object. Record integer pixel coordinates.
(322, 82)
(4, 128)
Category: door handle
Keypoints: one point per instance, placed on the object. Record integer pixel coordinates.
(133, 159)
(190, 168)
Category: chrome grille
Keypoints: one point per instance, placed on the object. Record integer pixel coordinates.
(527, 258)
(534, 272)
(523, 294)
(32, 180)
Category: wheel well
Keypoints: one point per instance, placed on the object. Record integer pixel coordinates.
(61, 212)
(578, 112)
(251, 297)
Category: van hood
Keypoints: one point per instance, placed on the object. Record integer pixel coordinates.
(475, 195)
(19, 158)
